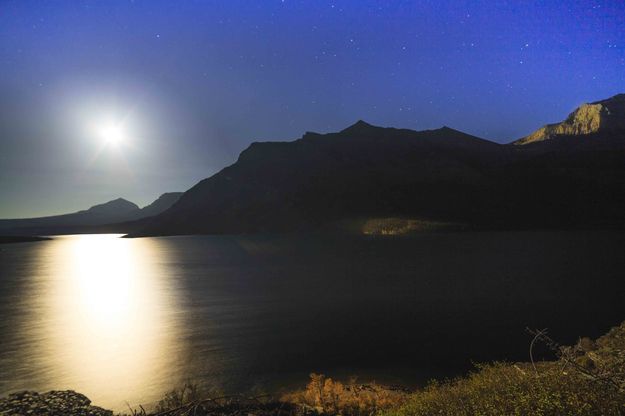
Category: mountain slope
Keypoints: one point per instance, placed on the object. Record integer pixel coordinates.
(366, 172)
(111, 211)
(358, 172)
(161, 204)
(116, 211)
(601, 116)
(116, 207)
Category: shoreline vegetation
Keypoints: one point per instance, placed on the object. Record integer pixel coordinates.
(587, 378)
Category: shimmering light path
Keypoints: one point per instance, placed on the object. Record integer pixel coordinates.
(129, 319)
(98, 318)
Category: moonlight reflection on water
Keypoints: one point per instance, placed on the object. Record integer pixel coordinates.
(129, 319)
(102, 317)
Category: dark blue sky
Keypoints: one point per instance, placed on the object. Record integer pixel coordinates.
(194, 82)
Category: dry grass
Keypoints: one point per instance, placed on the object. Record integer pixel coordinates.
(176, 398)
(504, 389)
(326, 396)
(587, 379)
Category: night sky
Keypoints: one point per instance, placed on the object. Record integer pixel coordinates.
(194, 82)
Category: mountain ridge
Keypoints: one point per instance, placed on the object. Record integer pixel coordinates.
(113, 211)
(113, 206)
(588, 118)
(442, 175)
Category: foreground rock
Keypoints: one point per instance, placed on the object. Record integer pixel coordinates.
(53, 403)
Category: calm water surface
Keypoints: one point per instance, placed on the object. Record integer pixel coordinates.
(128, 319)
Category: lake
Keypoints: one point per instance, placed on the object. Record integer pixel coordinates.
(129, 319)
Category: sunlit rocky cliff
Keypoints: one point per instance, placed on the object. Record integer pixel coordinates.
(605, 115)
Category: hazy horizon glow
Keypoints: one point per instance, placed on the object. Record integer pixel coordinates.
(192, 84)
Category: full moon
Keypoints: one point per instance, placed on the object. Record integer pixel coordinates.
(112, 133)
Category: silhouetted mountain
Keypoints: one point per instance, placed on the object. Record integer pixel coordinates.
(12, 239)
(116, 207)
(360, 171)
(570, 175)
(365, 172)
(601, 116)
(161, 204)
(111, 212)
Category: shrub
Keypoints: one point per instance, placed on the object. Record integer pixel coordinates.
(324, 395)
(505, 389)
(587, 379)
(178, 397)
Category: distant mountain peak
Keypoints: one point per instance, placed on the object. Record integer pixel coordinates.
(604, 115)
(360, 126)
(115, 205)
(119, 202)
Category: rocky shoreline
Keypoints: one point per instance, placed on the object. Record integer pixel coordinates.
(587, 378)
(52, 403)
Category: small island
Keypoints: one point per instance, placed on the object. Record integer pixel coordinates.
(10, 239)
